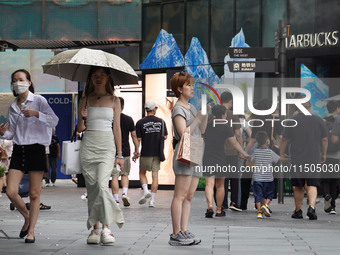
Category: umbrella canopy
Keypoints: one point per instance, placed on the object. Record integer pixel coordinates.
(74, 65)
(335, 98)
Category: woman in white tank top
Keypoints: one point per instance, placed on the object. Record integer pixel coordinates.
(101, 145)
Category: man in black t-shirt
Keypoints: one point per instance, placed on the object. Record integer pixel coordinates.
(308, 148)
(127, 126)
(150, 130)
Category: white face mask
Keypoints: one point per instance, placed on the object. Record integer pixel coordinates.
(20, 87)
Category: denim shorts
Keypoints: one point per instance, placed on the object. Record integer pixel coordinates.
(263, 190)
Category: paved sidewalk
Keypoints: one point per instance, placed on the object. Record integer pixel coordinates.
(62, 230)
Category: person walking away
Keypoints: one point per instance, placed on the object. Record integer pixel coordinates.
(53, 156)
(308, 148)
(214, 139)
(263, 185)
(127, 127)
(232, 155)
(149, 132)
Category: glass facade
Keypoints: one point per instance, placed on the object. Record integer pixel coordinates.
(213, 22)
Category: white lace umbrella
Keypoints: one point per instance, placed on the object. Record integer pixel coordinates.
(74, 65)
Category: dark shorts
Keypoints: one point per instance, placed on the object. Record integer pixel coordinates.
(28, 158)
(263, 190)
(300, 182)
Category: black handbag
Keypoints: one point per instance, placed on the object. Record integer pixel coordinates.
(161, 146)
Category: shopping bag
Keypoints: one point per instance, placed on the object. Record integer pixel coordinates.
(190, 150)
(70, 159)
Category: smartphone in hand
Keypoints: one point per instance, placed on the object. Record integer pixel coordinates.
(3, 120)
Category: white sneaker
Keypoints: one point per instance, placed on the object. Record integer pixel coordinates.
(84, 197)
(146, 195)
(47, 185)
(107, 237)
(152, 203)
(93, 238)
(53, 184)
(126, 200)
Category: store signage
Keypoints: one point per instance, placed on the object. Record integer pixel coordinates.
(253, 66)
(313, 40)
(253, 52)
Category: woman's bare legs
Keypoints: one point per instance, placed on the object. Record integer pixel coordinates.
(182, 183)
(187, 203)
(35, 178)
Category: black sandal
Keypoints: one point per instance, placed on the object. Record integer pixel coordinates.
(209, 213)
(44, 207)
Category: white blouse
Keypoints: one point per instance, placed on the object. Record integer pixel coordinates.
(31, 130)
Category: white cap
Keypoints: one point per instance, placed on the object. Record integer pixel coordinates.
(150, 105)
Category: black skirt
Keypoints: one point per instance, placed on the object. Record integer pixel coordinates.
(28, 158)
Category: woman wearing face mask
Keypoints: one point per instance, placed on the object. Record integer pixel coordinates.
(30, 123)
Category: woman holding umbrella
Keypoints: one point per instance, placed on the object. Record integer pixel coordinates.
(30, 123)
(101, 143)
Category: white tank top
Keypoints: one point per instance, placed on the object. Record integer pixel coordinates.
(99, 118)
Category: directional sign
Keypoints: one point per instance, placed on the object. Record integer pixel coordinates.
(256, 52)
(253, 66)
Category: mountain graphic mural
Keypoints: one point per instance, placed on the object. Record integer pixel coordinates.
(318, 89)
(164, 53)
(242, 80)
(197, 64)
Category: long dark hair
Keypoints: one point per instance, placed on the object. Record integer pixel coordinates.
(89, 88)
(28, 77)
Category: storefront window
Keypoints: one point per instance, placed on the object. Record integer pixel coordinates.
(197, 23)
(273, 11)
(173, 22)
(222, 24)
(151, 22)
(301, 16)
(248, 18)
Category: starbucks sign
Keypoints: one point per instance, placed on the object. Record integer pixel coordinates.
(321, 39)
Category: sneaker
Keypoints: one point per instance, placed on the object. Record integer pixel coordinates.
(209, 213)
(265, 210)
(47, 185)
(332, 211)
(311, 213)
(189, 235)
(93, 238)
(328, 200)
(180, 239)
(83, 197)
(152, 203)
(106, 236)
(234, 208)
(259, 215)
(53, 184)
(146, 195)
(297, 214)
(126, 200)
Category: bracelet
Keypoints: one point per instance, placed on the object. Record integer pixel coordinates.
(121, 157)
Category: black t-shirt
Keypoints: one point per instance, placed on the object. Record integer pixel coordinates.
(126, 126)
(54, 147)
(214, 139)
(305, 138)
(150, 130)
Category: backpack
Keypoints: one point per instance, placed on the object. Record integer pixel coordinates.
(332, 147)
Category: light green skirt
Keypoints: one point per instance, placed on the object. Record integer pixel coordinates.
(97, 156)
